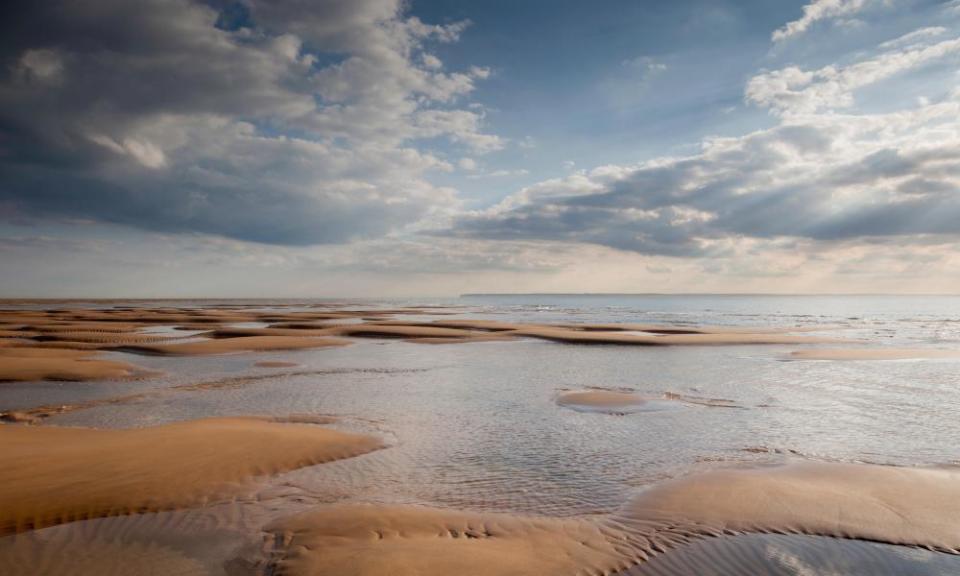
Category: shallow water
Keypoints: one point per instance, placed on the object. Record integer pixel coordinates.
(476, 426)
(792, 555)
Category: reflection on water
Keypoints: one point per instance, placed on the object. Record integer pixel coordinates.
(476, 426)
(779, 555)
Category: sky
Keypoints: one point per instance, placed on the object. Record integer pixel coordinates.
(381, 148)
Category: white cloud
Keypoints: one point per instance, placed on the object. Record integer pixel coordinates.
(792, 90)
(912, 37)
(432, 62)
(816, 11)
(500, 174)
(820, 179)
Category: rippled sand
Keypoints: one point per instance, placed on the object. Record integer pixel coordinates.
(53, 475)
(916, 507)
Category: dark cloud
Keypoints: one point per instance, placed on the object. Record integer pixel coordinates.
(279, 122)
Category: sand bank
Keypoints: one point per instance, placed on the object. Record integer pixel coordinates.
(106, 338)
(462, 339)
(21, 364)
(400, 331)
(874, 354)
(559, 334)
(906, 506)
(617, 402)
(231, 345)
(361, 540)
(910, 506)
(626, 334)
(54, 475)
(596, 400)
(275, 364)
(120, 329)
(239, 332)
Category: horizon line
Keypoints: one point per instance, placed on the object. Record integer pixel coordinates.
(470, 295)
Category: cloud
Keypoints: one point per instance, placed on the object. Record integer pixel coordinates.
(912, 37)
(645, 65)
(793, 90)
(814, 12)
(281, 122)
(821, 178)
(500, 173)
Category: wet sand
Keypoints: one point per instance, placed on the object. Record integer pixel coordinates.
(361, 540)
(914, 507)
(795, 555)
(895, 505)
(601, 401)
(122, 329)
(232, 345)
(53, 475)
(30, 364)
(589, 336)
(874, 354)
(275, 364)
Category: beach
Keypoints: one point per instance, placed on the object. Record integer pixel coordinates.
(550, 435)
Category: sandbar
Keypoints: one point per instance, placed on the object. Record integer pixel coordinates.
(906, 506)
(362, 540)
(596, 400)
(23, 364)
(896, 505)
(54, 475)
(232, 345)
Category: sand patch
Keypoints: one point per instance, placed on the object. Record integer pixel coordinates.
(275, 364)
(240, 332)
(608, 401)
(90, 327)
(55, 475)
(619, 402)
(567, 335)
(464, 324)
(233, 345)
(463, 339)
(108, 338)
(97, 557)
(447, 331)
(907, 506)
(81, 329)
(22, 364)
(400, 331)
(361, 540)
(874, 354)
